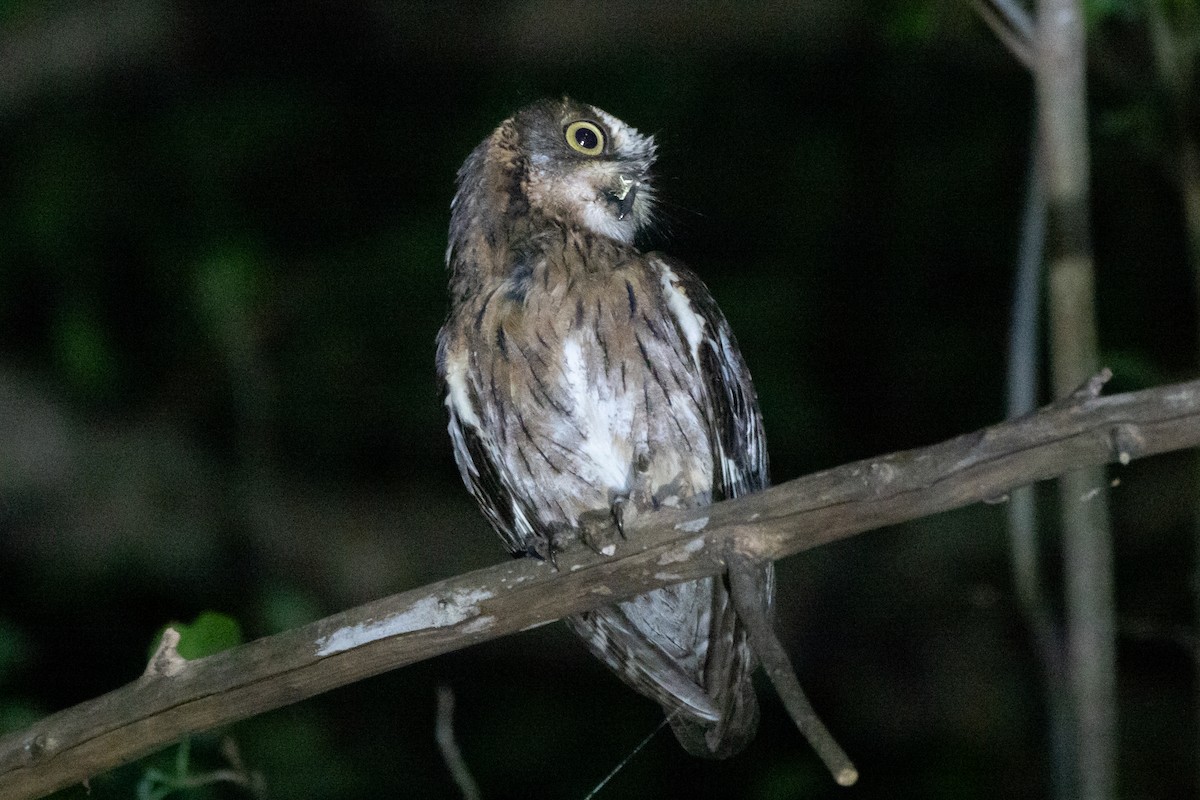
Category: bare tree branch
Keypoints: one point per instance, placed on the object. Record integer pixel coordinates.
(165, 705)
(1012, 25)
(448, 745)
(1024, 361)
(746, 589)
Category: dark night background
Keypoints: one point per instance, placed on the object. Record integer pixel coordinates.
(222, 229)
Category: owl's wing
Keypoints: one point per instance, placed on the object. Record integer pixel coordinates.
(504, 509)
(735, 423)
(704, 686)
(739, 467)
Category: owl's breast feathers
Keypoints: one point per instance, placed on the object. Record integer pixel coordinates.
(591, 372)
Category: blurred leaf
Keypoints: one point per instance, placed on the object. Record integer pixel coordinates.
(285, 608)
(211, 633)
(1100, 11)
(1185, 13)
(300, 752)
(1132, 370)
(60, 188)
(228, 286)
(198, 773)
(11, 10)
(83, 349)
(912, 22)
(1137, 125)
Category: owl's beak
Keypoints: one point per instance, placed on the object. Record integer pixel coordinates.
(624, 196)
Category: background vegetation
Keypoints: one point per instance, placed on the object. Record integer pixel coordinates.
(222, 229)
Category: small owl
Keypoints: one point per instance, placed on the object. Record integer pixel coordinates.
(585, 378)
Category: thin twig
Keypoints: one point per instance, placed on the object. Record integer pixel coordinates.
(1011, 25)
(1018, 17)
(448, 745)
(746, 591)
(1024, 358)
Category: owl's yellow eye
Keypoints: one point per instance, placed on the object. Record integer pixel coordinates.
(585, 137)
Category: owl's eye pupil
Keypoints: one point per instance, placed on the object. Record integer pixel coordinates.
(586, 138)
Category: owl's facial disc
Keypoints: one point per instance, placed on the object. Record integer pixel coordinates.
(602, 195)
(588, 168)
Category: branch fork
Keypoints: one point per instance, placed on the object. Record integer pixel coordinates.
(166, 705)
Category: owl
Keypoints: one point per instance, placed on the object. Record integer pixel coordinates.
(587, 380)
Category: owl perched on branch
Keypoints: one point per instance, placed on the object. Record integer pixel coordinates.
(585, 378)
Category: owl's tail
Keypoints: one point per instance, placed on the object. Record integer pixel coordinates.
(726, 737)
(726, 681)
(684, 647)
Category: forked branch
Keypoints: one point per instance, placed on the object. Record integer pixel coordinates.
(175, 699)
(746, 590)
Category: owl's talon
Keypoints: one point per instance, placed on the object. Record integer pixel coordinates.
(543, 548)
(593, 532)
(618, 514)
(596, 531)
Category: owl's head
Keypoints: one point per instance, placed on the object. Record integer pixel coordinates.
(575, 164)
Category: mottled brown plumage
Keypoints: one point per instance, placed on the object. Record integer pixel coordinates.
(584, 377)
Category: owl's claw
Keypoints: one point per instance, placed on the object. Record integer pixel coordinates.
(596, 527)
(543, 550)
(596, 531)
(618, 514)
(545, 547)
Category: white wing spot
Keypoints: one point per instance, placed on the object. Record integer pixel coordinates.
(680, 306)
(457, 398)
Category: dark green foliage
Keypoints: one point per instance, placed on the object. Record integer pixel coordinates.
(221, 275)
(209, 633)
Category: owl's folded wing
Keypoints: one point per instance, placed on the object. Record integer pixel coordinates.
(517, 525)
(735, 423)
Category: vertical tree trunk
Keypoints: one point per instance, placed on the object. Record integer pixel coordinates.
(1087, 546)
(1024, 359)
